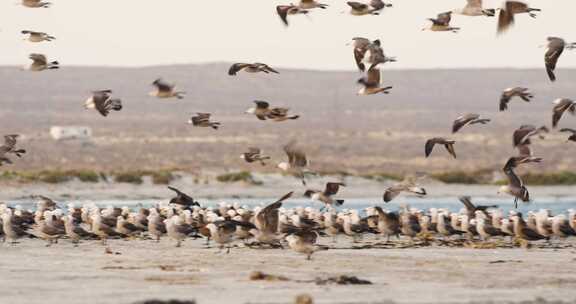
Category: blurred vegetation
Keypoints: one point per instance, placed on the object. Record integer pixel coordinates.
(478, 177)
(242, 176)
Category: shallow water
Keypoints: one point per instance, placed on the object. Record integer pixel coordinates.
(555, 204)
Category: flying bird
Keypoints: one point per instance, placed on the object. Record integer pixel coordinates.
(37, 36)
(471, 208)
(515, 185)
(370, 52)
(254, 155)
(475, 8)
(286, 10)
(165, 90)
(510, 93)
(326, 196)
(562, 105)
(36, 3)
(572, 134)
(251, 68)
(554, 50)
(442, 23)
(9, 147)
(182, 199)
(203, 120)
(263, 112)
(371, 83)
(408, 185)
(103, 102)
(448, 144)
(374, 7)
(468, 119)
(40, 63)
(508, 12)
(522, 135)
(297, 161)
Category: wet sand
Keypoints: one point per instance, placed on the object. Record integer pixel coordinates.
(143, 269)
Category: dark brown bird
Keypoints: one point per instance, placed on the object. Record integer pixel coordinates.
(203, 120)
(326, 195)
(471, 208)
(297, 161)
(103, 102)
(442, 23)
(448, 144)
(182, 199)
(510, 9)
(510, 93)
(522, 135)
(555, 49)
(372, 83)
(9, 147)
(515, 185)
(560, 107)
(263, 111)
(254, 155)
(468, 119)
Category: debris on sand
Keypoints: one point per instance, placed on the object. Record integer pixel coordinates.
(109, 251)
(304, 299)
(167, 302)
(505, 261)
(260, 276)
(343, 280)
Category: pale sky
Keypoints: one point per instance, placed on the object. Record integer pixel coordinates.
(159, 32)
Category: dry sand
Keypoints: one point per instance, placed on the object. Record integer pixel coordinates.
(32, 273)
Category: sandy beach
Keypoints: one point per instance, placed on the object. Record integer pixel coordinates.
(142, 269)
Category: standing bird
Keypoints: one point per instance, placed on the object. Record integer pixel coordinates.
(510, 93)
(286, 10)
(203, 120)
(372, 83)
(448, 144)
(304, 241)
(511, 8)
(165, 90)
(560, 107)
(515, 185)
(36, 3)
(326, 195)
(468, 119)
(40, 63)
(37, 36)
(372, 8)
(251, 68)
(442, 23)
(103, 102)
(297, 161)
(555, 47)
(572, 134)
(475, 8)
(253, 155)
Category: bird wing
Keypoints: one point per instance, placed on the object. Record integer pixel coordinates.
(522, 135)
(38, 58)
(568, 130)
(562, 106)
(430, 145)
(296, 156)
(555, 49)
(524, 150)
(332, 188)
(10, 141)
(462, 121)
(515, 7)
(467, 201)
(357, 5)
(513, 179)
(162, 85)
(359, 54)
(505, 20)
(444, 18)
(266, 67)
(450, 148)
(282, 11)
(254, 150)
(237, 67)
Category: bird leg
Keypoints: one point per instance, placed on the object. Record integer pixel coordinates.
(533, 15)
(178, 243)
(228, 249)
(309, 257)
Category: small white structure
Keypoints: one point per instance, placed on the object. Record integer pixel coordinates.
(71, 133)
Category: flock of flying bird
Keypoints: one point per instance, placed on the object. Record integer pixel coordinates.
(185, 217)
